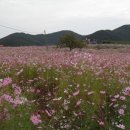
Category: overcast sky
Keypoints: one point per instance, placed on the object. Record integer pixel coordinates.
(81, 16)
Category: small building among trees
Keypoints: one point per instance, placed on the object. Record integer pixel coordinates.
(91, 41)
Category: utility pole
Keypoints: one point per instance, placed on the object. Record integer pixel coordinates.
(45, 39)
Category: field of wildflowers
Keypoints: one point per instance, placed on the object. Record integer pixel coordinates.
(56, 89)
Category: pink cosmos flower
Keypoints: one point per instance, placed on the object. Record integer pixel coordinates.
(80, 73)
(122, 98)
(90, 93)
(76, 93)
(49, 94)
(121, 126)
(6, 81)
(65, 91)
(127, 89)
(78, 103)
(32, 90)
(8, 98)
(116, 105)
(101, 123)
(66, 126)
(102, 92)
(38, 91)
(48, 113)
(35, 119)
(121, 111)
(17, 101)
(113, 100)
(117, 96)
(126, 93)
(17, 90)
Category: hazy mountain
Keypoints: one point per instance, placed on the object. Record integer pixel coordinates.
(21, 39)
(53, 38)
(123, 32)
(104, 35)
(120, 34)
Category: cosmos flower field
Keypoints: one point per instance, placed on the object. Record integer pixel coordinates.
(58, 89)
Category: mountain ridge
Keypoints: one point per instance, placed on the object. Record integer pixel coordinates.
(22, 39)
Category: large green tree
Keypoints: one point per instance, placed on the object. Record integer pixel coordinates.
(71, 41)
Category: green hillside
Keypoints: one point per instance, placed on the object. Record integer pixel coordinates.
(22, 39)
(121, 34)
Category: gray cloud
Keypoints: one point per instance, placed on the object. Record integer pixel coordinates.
(82, 16)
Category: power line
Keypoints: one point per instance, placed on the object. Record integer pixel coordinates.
(12, 28)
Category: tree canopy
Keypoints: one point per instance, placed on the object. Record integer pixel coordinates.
(70, 41)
